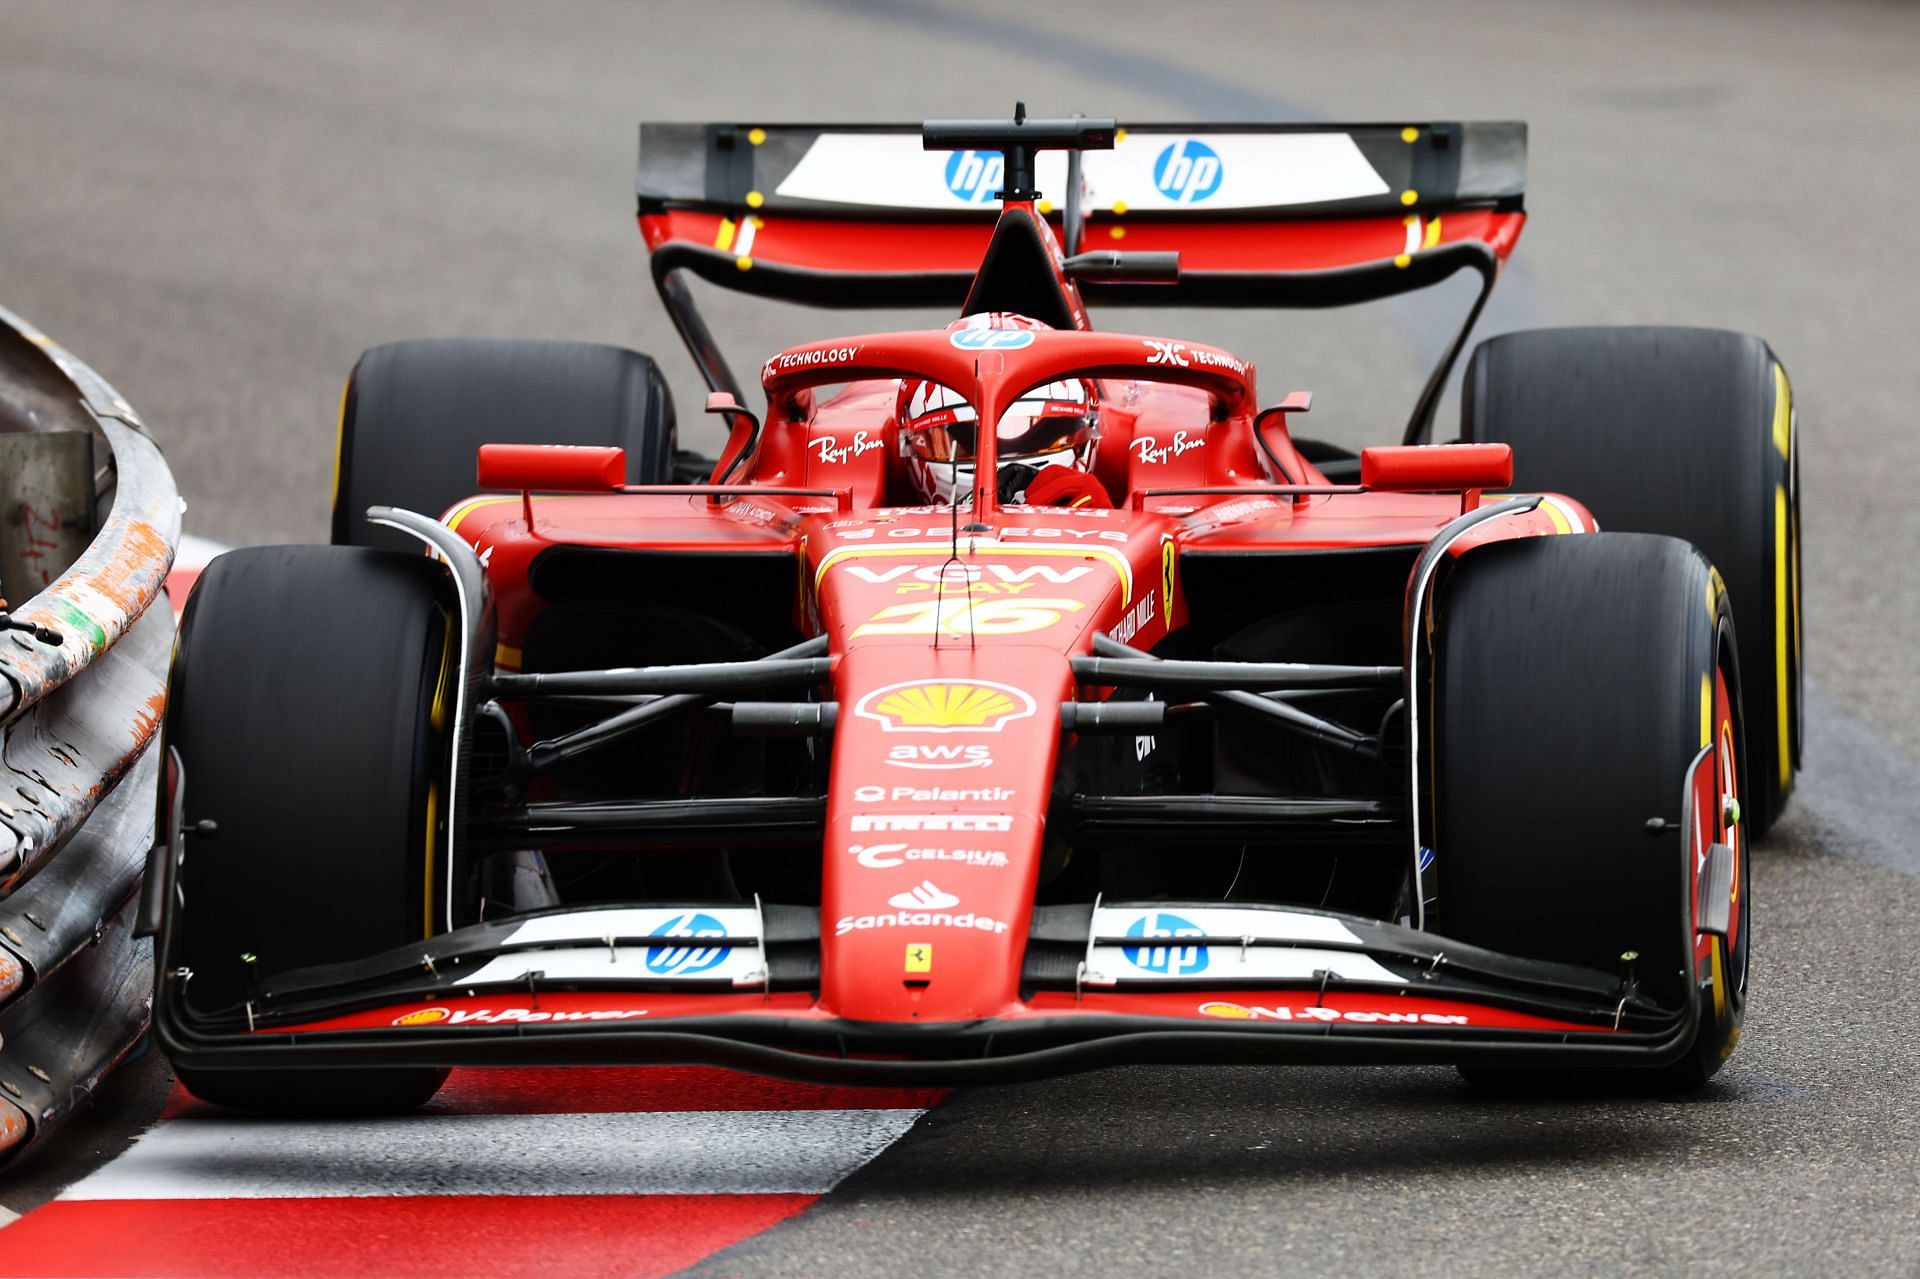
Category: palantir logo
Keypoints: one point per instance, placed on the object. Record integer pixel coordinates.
(1166, 961)
(1187, 172)
(974, 176)
(685, 961)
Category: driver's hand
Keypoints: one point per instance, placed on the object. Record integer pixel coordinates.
(1014, 478)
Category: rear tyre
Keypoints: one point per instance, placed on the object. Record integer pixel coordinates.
(308, 701)
(415, 413)
(1576, 680)
(1687, 432)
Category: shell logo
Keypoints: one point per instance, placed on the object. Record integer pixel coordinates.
(1221, 1008)
(423, 1017)
(950, 706)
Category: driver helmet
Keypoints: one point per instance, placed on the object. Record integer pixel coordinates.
(1051, 425)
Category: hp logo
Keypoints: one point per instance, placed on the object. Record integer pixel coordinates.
(975, 175)
(684, 961)
(1167, 961)
(991, 339)
(1187, 172)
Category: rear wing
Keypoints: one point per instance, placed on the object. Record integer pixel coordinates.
(1271, 215)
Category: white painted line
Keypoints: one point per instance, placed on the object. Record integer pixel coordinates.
(7, 1217)
(693, 1152)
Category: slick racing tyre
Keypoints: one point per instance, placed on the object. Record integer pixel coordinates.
(415, 414)
(1687, 432)
(309, 699)
(1576, 681)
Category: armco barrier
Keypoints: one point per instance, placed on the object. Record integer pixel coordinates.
(77, 720)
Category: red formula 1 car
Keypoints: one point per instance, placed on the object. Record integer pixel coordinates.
(889, 747)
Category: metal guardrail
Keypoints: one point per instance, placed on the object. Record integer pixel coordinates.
(77, 778)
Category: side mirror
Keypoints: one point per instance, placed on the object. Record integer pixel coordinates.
(743, 434)
(553, 468)
(1438, 468)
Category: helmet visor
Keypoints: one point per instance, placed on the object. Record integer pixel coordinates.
(1045, 420)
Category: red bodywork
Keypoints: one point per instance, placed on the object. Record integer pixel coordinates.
(956, 792)
(952, 635)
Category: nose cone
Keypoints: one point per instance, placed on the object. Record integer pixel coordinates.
(943, 763)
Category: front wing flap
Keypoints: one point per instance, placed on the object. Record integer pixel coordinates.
(1104, 985)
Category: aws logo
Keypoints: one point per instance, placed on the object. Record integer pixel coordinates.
(952, 706)
(939, 755)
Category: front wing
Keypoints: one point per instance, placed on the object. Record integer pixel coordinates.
(1104, 985)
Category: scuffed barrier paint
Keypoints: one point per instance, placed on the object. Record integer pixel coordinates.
(13, 1126)
(118, 578)
(59, 1048)
(67, 906)
(78, 782)
(65, 755)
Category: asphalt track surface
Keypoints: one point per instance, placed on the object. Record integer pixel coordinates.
(220, 205)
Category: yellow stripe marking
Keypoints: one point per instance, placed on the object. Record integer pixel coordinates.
(465, 509)
(724, 240)
(1558, 516)
(1785, 576)
(507, 655)
(1706, 710)
(1112, 558)
(1719, 981)
(1780, 673)
(1782, 412)
(1433, 232)
(433, 824)
(340, 441)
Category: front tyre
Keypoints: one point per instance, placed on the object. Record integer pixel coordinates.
(1579, 683)
(309, 701)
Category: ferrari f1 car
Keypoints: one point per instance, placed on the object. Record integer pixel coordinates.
(892, 745)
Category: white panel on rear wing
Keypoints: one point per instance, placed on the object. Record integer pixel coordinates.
(1146, 171)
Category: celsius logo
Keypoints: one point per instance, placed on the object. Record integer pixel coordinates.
(685, 961)
(1167, 961)
(1187, 172)
(991, 339)
(974, 176)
